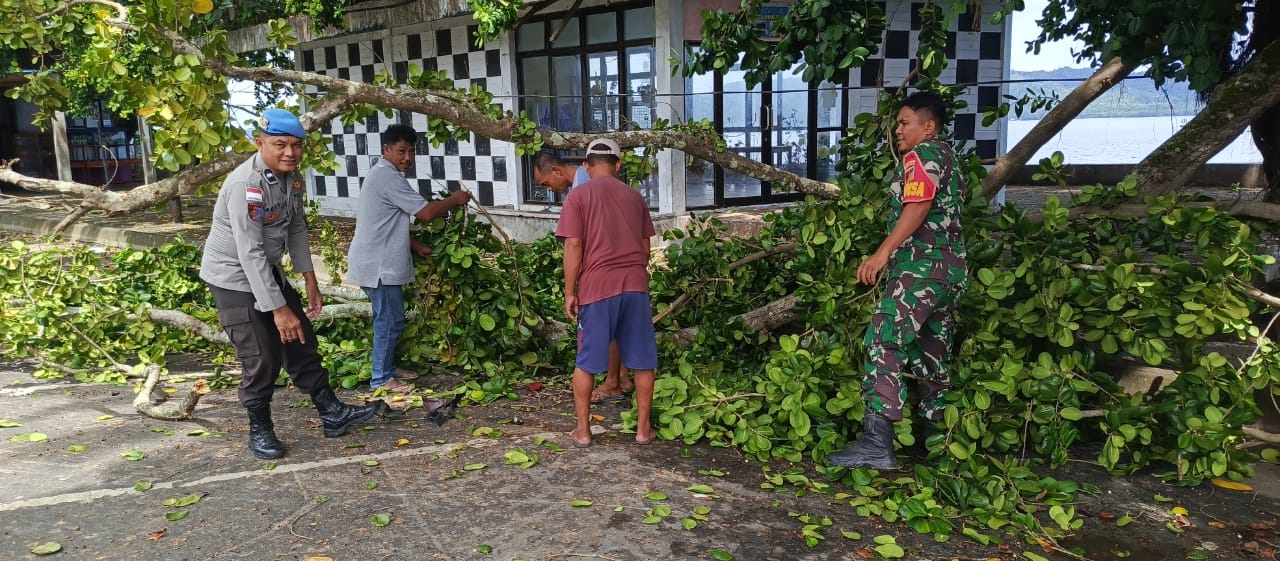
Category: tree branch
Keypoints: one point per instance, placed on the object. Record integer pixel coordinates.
(1236, 103)
(151, 194)
(466, 113)
(1111, 73)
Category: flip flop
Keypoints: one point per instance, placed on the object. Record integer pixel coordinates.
(574, 440)
(651, 440)
(598, 397)
(402, 374)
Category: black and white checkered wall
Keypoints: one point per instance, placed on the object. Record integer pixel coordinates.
(476, 163)
(975, 55)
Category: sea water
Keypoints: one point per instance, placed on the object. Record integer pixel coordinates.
(1123, 140)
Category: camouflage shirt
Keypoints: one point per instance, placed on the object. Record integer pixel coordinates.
(936, 249)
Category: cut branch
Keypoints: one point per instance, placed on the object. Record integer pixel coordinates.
(680, 302)
(156, 405)
(1111, 73)
(766, 318)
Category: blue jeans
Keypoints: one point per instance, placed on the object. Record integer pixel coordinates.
(388, 323)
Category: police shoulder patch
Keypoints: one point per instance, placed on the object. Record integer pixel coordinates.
(270, 177)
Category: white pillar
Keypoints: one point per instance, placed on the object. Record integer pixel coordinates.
(668, 18)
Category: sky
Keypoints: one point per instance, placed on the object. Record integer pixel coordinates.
(1052, 55)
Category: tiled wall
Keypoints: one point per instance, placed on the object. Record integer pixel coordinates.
(475, 163)
(975, 53)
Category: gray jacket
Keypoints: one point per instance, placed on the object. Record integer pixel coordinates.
(258, 215)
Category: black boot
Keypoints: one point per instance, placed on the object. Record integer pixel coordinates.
(339, 417)
(262, 434)
(873, 448)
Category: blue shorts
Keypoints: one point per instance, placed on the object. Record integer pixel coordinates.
(625, 318)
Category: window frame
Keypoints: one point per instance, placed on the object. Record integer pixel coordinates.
(583, 51)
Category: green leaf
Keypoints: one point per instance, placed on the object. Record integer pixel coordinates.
(7, 424)
(580, 503)
(1163, 499)
(381, 519)
(486, 322)
(29, 437)
(883, 539)
(474, 467)
(851, 535)
(720, 555)
(77, 448)
(890, 551)
(188, 500)
(689, 523)
(370, 463)
(143, 485)
(105, 418)
(656, 496)
(484, 548)
(133, 455)
(176, 515)
(198, 432)
(1071, 413)
(1270, 455)
(702, 490)
(1033, 557)
(47, 548)
(1124, 521)
(958, 450)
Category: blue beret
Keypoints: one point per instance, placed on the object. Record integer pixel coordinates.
(279, 122)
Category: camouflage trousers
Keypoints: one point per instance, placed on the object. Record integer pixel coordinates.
(911, 330)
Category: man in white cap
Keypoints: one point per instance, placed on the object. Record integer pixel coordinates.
(259, 215)
(605, 225)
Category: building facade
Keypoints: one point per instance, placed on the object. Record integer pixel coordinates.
(605, 67)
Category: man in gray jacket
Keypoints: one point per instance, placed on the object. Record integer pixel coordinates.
(259, 215)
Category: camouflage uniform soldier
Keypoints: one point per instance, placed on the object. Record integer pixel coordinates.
(924, 253)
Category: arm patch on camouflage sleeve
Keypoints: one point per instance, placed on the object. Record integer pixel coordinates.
(917, 184)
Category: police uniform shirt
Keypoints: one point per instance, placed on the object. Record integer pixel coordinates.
(257, 217)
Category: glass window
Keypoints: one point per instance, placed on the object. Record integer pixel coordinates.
(602, 69)
(783, 123)
(641, 89)
(568, 36)
(538, 98)
(605, 83)
(602, 28)
(638, 23)
(568, 91)
(532, 37)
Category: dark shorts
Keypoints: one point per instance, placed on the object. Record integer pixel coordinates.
(625, 318)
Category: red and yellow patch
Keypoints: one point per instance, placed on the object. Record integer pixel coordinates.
(297, 185)
(917, 185)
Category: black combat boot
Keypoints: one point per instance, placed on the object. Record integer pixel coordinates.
(873, 448)
(339, 417)
(262, 434)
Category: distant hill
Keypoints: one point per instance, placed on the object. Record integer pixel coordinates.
(1135, 97)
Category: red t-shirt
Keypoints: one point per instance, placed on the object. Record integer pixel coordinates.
(612, 220)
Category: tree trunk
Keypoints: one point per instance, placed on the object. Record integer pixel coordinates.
(1236, 103)
(1111, 73)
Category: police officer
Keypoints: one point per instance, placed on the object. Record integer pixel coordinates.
(260, 214)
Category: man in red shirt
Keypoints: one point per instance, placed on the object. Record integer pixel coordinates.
(605, 225)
